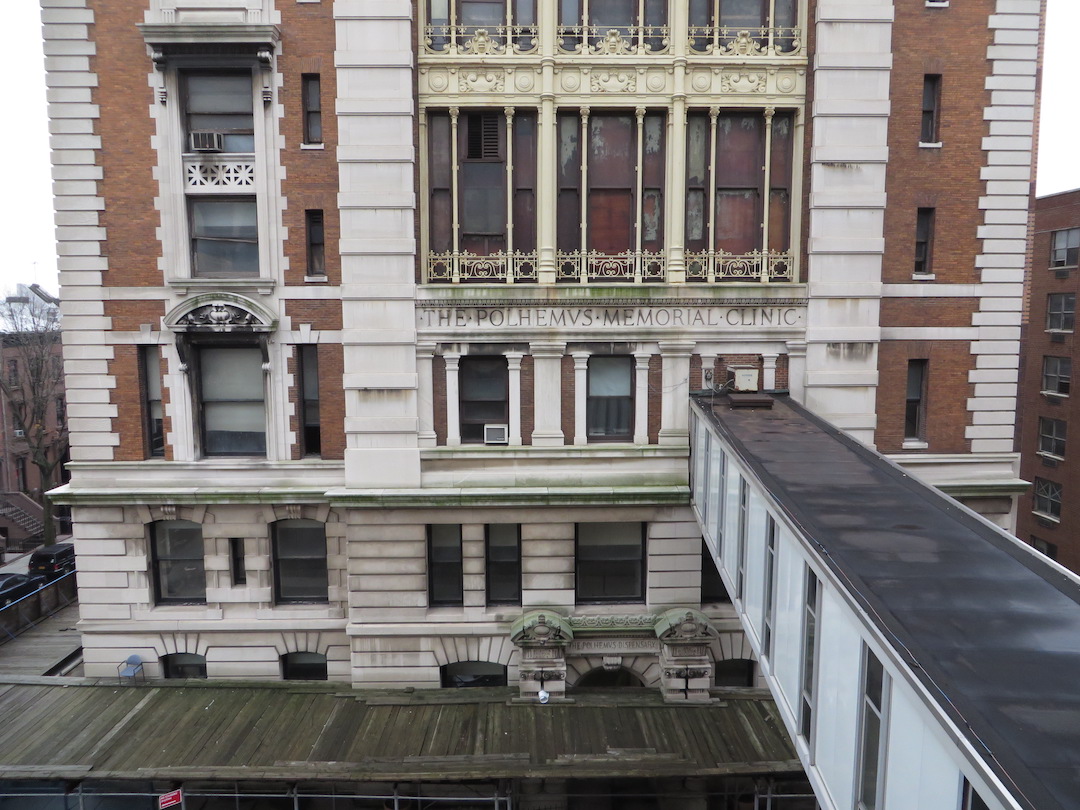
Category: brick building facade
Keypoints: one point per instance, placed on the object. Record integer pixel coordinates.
(1047, 518)
(381, 319)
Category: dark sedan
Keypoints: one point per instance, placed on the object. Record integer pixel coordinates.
(14, 587)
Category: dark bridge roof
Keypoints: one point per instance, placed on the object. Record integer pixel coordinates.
(66, 728)
(990, 627)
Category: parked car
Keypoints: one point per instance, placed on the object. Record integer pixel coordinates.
(53, 561)
(14, 587)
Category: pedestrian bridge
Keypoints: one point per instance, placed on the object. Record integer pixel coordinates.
(919, 656)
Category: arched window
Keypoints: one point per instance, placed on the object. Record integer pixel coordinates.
(472, 673)
(734, 672)
(183, 665)
(601, 678)
(303, 666)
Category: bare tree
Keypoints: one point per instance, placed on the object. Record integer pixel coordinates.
(32, 383)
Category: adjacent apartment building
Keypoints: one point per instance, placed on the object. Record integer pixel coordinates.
(381, 318)
(1046, 519)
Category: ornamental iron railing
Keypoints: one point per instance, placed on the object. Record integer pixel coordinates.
(474, 40)
(764, 42)
(766, 266)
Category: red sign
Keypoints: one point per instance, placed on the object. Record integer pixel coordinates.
(169, 799)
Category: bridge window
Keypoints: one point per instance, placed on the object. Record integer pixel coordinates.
(712, 586)
(811, 612)
(872, 733)
(770, 586)
(970, 799)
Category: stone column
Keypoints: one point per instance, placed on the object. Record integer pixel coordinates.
(641, 397)
(547, 404)
(581, 382)
(513, 369)
(796, 351)
(453, 418)
(425, 393)
(675, 382)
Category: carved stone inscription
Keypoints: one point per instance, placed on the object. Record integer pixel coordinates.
(598, 318)
(608, 646)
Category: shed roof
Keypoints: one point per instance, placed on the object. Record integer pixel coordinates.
(70, 728)
(988, 625)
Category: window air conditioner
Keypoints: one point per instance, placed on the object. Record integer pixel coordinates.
(20, 434)
(742, 378)
(496, 434)
(207, 142)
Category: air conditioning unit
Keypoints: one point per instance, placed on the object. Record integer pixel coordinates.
(742, 378)
(496, 434)
(207, 142)
(20, 434)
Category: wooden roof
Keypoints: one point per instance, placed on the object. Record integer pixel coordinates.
(72, 728)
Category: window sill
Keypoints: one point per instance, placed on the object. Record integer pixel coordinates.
(315, 279)
(914, 444)
(936, 145)
(312, 146)
(923, 276)
(264, 286)
(1054, 395)
(1045, 518)
(1049, 458)
(929, 3)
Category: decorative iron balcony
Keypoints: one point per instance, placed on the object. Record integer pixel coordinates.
(618, 41)
(630, 267)
(497, 268)
(764, 42)
(761, 265)
(472, 40)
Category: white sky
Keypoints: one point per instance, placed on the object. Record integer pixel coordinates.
(26, 227)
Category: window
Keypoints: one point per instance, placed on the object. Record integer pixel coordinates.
(224, 237)
(300, 574)
(13, 372)
(61, 411)
(768, 618)
(646, 30)
(312, 108)
(610, 562)
(303, 666)
(740, 539)
(503, 563)
(870, 775)
(176, 562)
(1056, 375)
(218, 111)
(444, 565)
(811, 612)
(1065, 248)
(1047, 499)
(183, 665)
(712, 585)
(489, 15)
(316, 243)
(609, 406)
(153, 424)
(915, 405)
(1043, 547)
(308, 391)
(20, 474)
(728, 208)
(471, 214)
(931, 108)
(717, 23)
(1060, 312)
(472, 673)
(231, 400)
(734, 672)
(484, 391)
(1052, 434)
(611, 194)
(237, 563)
(924, 240)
